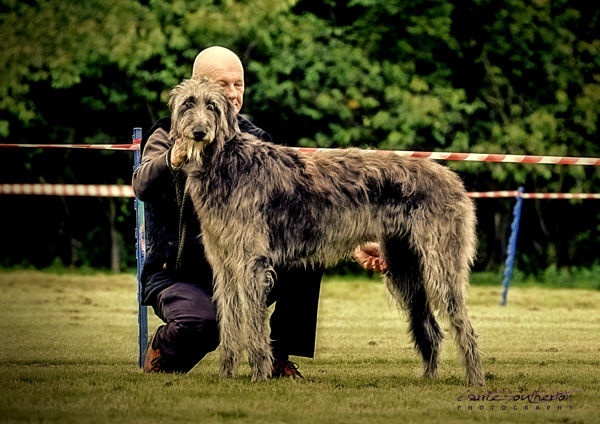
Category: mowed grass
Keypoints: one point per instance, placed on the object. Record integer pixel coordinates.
(68, 353)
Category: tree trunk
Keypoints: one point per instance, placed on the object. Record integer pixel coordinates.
(114, 236)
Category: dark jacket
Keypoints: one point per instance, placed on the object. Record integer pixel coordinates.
(154, 184)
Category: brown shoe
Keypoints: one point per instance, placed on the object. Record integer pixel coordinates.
(153, 362)
(286, 369)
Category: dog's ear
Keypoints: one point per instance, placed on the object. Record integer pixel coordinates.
(228, 118)
(174, 97)
(232, 122)
(173, 94)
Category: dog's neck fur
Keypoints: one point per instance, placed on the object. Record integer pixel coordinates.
(221, 156)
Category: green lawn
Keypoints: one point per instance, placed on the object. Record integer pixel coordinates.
(68, 354)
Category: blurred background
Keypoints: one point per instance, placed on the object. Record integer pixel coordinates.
(480, 76)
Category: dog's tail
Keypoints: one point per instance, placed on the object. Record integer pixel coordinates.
(445, 242)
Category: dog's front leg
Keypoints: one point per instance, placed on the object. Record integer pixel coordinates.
(227, 301)
(260, 278)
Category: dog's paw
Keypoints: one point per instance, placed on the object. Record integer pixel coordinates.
(228, 369)
(227, 373)
(262, 369)
(259, 377)
(475, 380)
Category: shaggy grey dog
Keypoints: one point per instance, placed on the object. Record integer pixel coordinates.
(261, 205)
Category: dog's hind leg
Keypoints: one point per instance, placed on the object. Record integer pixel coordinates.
(259, 280)
(405, 284)
(466, 338)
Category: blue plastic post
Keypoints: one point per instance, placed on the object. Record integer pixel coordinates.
(512, 245)
(140, 247)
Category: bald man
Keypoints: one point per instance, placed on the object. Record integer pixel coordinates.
(178, 285)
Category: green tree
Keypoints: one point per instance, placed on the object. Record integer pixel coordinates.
(493, 76)
(480, 76)
(88, 72)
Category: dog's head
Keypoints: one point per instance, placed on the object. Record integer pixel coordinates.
(201, 116)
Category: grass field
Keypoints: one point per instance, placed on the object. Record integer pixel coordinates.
(68, 355)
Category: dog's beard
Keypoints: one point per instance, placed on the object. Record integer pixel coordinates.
(196, 150)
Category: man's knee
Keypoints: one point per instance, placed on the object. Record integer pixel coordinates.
(200, 333)
(191, 318)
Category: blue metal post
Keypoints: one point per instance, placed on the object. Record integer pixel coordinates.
(512, 245)
(140, 248)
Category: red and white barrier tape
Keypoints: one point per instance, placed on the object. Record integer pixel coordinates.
(494, 194)
(476, 157)
(559, 196)
(134, 146)
(127, 191)
(480, 157)
(515, 193)
(68, 190)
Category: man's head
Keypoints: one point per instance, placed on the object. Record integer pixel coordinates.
(223, 67)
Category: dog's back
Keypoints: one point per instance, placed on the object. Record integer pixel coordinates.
(346, 196)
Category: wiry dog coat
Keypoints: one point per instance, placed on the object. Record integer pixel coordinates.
(261, 205)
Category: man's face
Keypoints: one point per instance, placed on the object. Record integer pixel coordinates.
(229, 74)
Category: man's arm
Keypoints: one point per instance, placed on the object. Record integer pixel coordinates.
(153, 177)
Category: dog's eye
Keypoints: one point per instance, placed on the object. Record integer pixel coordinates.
(210, 106)
(189, 103)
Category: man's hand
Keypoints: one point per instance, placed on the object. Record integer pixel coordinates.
(178, 154)
(369, 258)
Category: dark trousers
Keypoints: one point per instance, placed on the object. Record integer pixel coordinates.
(191, 331)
